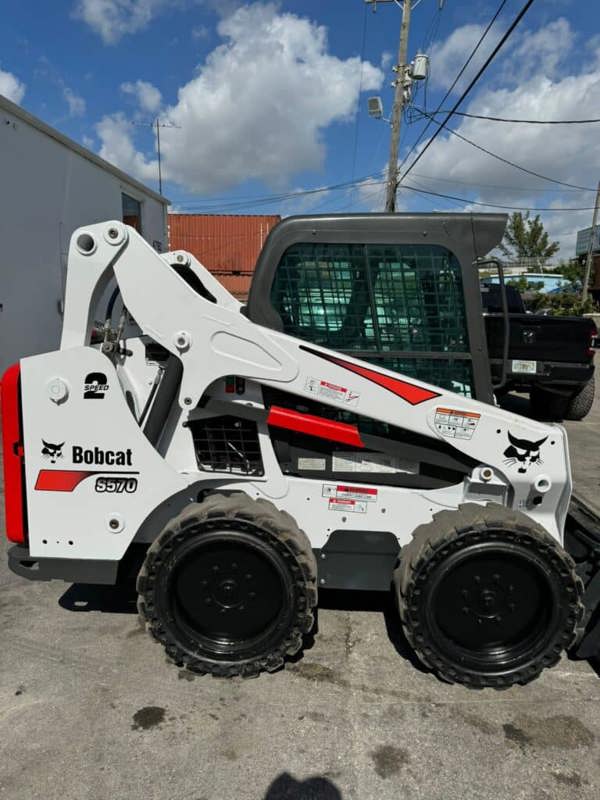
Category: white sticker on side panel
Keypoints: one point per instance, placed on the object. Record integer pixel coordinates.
(351, 506)
(331, 391)
(456, 424)
(357, 461)
(312, 463)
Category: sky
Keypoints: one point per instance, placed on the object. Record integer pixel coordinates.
(263, 101)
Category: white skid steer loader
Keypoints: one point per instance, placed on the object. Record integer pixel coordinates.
(251, 467)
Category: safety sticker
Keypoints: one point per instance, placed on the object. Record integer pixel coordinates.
(352, 506)
(456, 424)
(364, 494)
(331, 391)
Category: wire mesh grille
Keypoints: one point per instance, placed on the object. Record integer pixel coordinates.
(227, 444)
(380, 299)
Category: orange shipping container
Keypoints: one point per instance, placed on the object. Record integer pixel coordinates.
(227, 245)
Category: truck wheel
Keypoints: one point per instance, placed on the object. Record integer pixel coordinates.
(487, 597)
(548, 405)
(580, 404)
(228, 587)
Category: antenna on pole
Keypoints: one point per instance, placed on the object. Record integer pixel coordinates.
(156, 123)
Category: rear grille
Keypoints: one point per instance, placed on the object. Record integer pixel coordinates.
(227, 444)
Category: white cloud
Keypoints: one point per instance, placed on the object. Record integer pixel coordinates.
(114, 131)
(447, 57)
(11, 87)
(75, 102)
(258, 105)
(113, 19)
(148, 96)
(200, 32)
(544, 91)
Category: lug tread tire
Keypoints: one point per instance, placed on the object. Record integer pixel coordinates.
(263, 515)
(432, 538)
(580, 404)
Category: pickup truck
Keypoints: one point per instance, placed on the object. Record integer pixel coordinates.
(549, 357)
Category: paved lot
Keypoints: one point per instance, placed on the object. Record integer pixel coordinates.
(89, 710)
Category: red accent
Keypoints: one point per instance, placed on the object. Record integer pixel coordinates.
(407, 391)
(12, 444)
(60, 480)
(314, 426)
(357, 489)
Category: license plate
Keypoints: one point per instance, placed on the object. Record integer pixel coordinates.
(530, 367)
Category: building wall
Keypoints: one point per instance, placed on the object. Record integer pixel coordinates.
(227, 245)
(49, 190)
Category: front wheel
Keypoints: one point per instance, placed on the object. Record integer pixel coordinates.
(229, 586)
(487, 597)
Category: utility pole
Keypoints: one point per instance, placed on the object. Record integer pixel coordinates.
(588, 261)
(400, 98)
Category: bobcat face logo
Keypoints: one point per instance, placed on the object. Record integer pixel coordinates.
(52, 451)
(523, 452)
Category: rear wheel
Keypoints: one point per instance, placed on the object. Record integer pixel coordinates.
(487, 597)
(228, 587)
(580, 403)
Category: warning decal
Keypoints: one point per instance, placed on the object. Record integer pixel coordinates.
(361, 494)
(331, 391)
(456, 424)
(353, 506)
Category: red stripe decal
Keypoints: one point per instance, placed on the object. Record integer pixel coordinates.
(14, 494)
(407, 391)
(61, 480)
(314, 426)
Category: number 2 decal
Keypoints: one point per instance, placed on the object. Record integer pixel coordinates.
(116, 485)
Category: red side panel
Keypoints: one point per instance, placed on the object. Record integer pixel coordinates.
(314, 426)
(12, 449)
(60, 480)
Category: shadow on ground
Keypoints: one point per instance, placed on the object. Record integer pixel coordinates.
(285, 787)
(81, 597)
(91, 597)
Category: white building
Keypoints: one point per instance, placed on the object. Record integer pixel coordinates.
(49, 186)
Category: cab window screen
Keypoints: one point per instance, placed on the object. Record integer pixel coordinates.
(385, 302)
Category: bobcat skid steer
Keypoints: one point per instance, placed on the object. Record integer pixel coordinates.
(251, 467)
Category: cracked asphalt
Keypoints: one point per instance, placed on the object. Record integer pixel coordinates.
(90, 710)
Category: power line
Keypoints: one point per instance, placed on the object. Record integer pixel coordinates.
(473, 82)
(491, 205)
(502, 159)
(456, 80)
(501, 186)
(517, 121)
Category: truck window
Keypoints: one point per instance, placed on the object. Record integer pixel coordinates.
(399, 306)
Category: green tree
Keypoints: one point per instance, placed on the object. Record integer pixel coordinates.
(527, 238)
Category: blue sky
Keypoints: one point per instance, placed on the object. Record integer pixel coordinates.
(266, 97)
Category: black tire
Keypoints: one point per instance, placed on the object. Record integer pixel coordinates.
(487, 597)
(229, 587)
(580, 404)
(548, 405)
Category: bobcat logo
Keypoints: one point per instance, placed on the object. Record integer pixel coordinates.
(523, 452)
(52, 451)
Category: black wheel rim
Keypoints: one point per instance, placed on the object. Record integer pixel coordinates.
(492, 606)
(229, 592)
